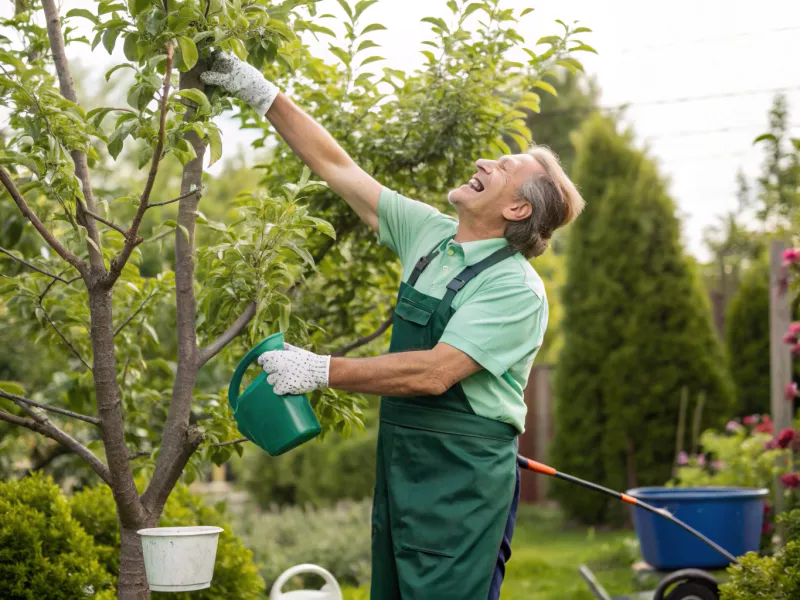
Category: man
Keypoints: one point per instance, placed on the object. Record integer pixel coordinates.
(470, 316)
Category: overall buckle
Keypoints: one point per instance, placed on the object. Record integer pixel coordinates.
(456, 284)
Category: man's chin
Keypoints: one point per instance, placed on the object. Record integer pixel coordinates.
(455, 196)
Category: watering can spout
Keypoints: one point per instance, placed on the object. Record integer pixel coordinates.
(274, 423)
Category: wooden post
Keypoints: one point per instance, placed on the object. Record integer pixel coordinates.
(780, 317)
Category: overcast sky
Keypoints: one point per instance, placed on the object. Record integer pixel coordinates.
(699, 76)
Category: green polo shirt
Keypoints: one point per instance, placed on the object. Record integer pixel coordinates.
(500, 316)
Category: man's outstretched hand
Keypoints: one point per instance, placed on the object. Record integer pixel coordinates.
(294, 370)
(242, 80)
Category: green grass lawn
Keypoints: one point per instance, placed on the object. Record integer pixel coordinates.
(545, 558)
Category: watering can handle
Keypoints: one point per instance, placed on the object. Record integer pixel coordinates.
(273, 342)
(275, 592)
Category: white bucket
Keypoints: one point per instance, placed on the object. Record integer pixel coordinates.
(179, 559)
(330, 591)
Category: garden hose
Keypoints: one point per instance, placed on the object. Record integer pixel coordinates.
(537, 467)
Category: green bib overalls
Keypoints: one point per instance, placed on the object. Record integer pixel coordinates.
(445, 477)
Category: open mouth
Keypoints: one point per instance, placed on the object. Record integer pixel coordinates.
(475, 184)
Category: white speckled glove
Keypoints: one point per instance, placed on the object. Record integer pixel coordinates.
(242, 80)
(294, 370)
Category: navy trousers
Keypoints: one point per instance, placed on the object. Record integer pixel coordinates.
(505, 547)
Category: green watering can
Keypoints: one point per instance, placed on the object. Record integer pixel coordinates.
(275, 423)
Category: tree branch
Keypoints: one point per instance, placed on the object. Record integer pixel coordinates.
(106, 222)
(40, 424)
(180, 439)
(366, 339)
(231, 443)
(68, 256)
(179, 198)
(132, 238)
(61, 411)
(64, 339)
(223, 340)
(34, 267)
(136, 312)
(67, 88)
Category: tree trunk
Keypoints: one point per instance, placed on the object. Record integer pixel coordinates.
(132, 578)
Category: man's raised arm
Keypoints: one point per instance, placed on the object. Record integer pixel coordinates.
(307, 138)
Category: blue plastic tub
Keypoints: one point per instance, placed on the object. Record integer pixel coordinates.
(732, 517)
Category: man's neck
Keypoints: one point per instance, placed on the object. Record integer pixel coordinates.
(473, 232)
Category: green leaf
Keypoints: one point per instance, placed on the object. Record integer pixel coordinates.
(362, 6)
(550, 39)
(82, 12)
(117, 137)
(171, 223)
(525, 11)
(373, 27)
(108, 7)
(367, 44)
(582, 30)
(543, 85)
(130, 47)
(371, 59)
(197, 97)
(429, 55)
(12, 387)
(151, 331)
(188, 51)
(764, 137)
(238, 48)
(473, 7)
(452, 5)
(340, 53)
(117, 68)
(215, 145)
(185, 232)
(437, 22)
(110, 39)
(583, 48)
(346, 7)
(137, 6)
(571, 64)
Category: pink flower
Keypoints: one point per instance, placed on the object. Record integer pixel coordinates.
(786, 437)
(765, 426)
(733, 426)
(791, 391)
(750, 420)
(683, 458)
(766, 528)
(771, 445)
(701, 460)
(788, 338)
(718, 465)
(790, 256)
(767, 509)
(790, 480)
(794, 329)
(796, 349)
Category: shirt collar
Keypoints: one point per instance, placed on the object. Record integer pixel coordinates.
(476, 251)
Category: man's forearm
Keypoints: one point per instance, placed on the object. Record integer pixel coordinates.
(399, 374)
(307, 138)
(312, 143)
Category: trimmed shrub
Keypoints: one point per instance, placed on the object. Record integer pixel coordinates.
(636, 329)
(44, 552)
(235, 575)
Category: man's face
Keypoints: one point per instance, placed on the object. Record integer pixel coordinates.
(491, 194)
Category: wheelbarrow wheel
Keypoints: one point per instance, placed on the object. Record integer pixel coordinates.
(692, 590)
(688, 584)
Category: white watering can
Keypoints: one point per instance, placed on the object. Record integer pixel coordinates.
(330, 591)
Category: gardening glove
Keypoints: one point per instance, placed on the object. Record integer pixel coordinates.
(242, 80)
(294, 370)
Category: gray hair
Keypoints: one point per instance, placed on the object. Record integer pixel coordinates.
(554, 200)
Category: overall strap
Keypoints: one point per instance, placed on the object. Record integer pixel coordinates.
(423, 262)
(468, 274)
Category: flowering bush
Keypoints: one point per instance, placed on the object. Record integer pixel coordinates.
(744, 455)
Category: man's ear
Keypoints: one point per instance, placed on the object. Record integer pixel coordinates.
(519, 210)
